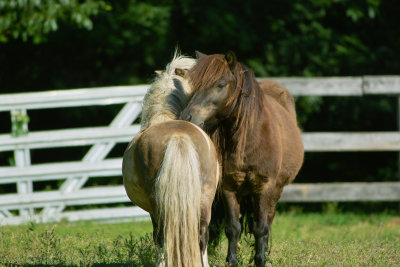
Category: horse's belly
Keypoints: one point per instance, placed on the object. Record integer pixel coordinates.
(134, 185)
(137, 195)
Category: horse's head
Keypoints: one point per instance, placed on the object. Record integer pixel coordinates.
(168, 94)
(226, 97)
(214, 84)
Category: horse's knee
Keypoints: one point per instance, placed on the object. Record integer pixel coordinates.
(233, 229)
(260, 229)
(271, 215)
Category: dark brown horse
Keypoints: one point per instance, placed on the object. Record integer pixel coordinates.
(255, 128)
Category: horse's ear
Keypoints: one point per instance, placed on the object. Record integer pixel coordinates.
(181, 72)
(199, 54)
(230, 57)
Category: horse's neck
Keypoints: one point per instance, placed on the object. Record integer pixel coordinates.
(243, 134)
(164, 101)
(234, 135)
(167, 95)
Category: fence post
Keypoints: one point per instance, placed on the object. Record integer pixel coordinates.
(398, 128)
(398, 160)
(22, 157)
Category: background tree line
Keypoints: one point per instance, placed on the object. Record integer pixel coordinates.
(60, 44)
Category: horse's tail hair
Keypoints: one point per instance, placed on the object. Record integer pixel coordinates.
(178, 197)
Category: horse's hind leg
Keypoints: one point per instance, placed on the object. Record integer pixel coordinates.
(232, 226)
(157, 235)
(158, 238)
(204, 241)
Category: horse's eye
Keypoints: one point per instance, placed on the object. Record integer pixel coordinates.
(221, 84)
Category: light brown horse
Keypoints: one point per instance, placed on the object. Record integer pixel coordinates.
(255, 128)
(171, 170)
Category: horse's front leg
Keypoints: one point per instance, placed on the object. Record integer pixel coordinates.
(264, 211)
(232, 226)
(261, 232)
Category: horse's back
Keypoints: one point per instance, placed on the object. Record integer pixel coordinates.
(279, 93)
(143, 158)
(283, 117)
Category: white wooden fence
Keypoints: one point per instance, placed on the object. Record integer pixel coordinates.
(46, 206)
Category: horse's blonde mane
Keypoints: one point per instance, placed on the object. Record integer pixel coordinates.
(167, 95)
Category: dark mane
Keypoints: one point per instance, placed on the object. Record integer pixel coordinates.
(245, 102)
(207, 71)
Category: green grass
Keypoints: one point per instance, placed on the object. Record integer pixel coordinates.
(309, 239)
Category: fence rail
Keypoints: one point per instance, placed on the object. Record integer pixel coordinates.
(28, 204)
(73, 98)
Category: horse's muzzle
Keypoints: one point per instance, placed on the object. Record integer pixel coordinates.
(186, 117)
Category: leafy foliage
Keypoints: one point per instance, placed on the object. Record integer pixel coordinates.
(36, 18)
(72, 44)
(129, 39)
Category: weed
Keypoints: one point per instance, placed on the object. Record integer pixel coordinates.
(118, 250)
(49, 247)
(102, 253)
(146, 252)
(130, 246)
(86, 255)
(246, 250)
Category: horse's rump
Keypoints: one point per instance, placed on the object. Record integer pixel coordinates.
(145, 154)
(279, 93)
(172, 168)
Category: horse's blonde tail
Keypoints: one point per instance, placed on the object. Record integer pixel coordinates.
(178, 196)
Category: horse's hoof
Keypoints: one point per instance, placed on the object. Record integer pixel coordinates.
(232, 263)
